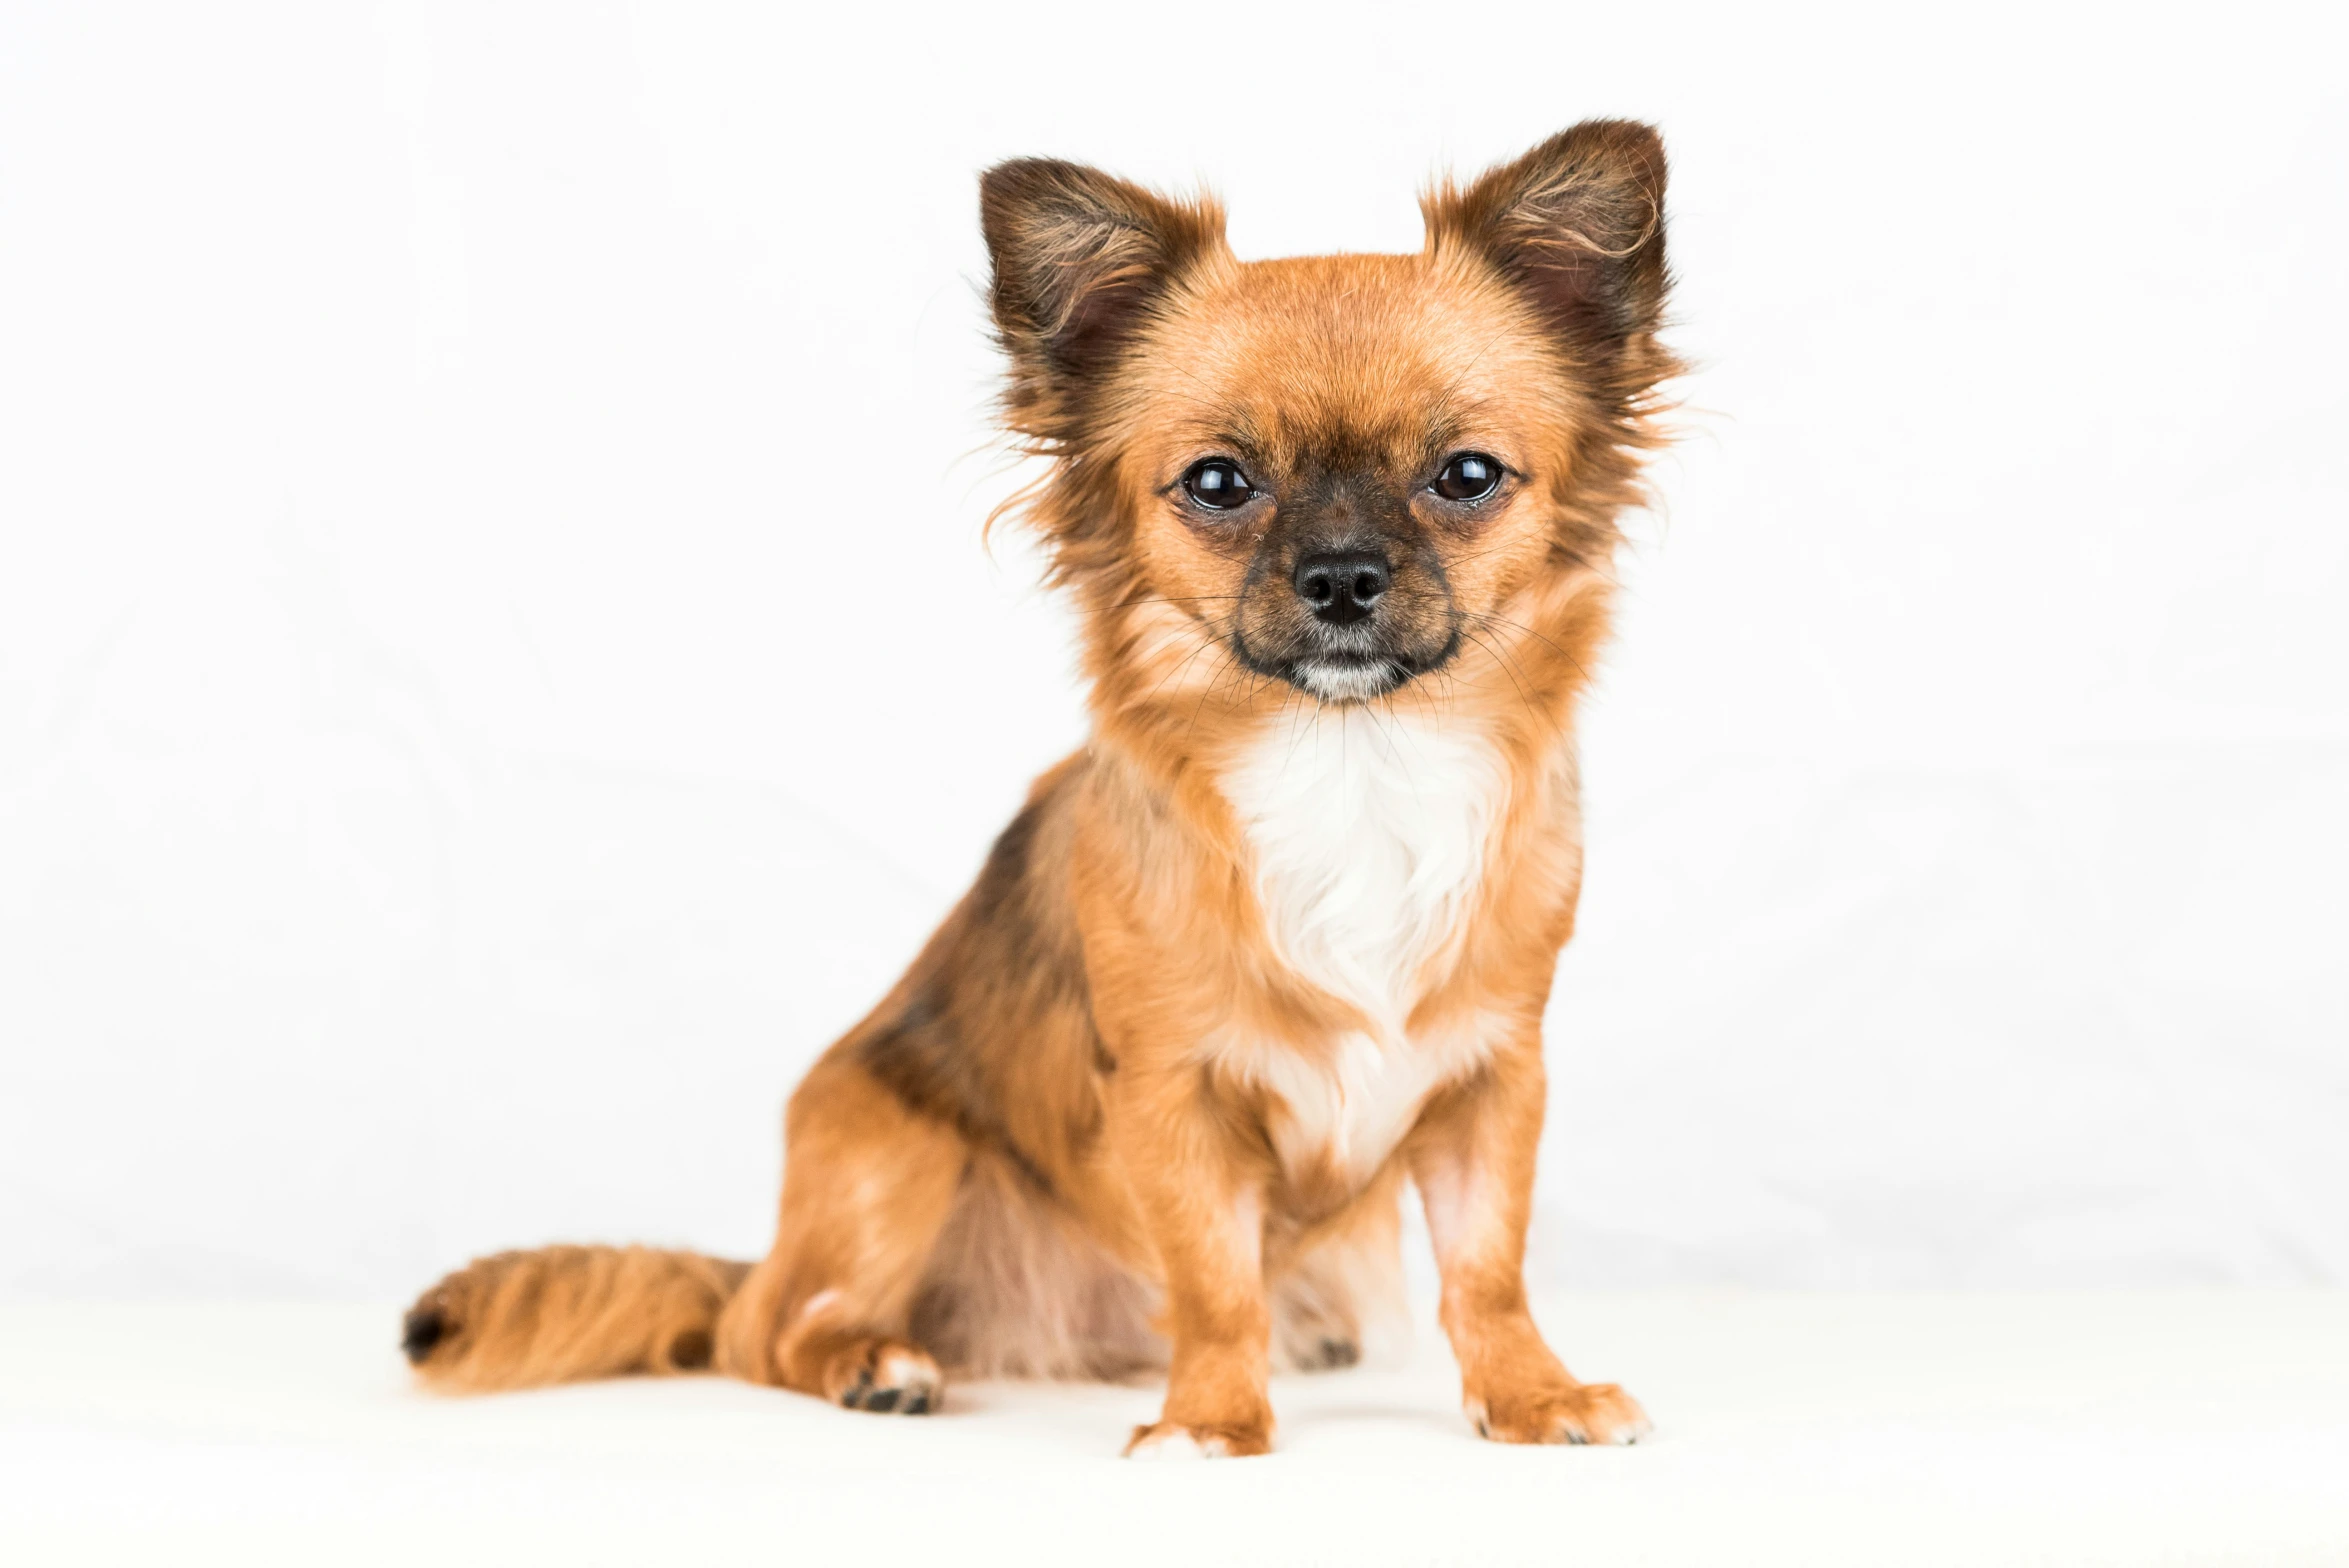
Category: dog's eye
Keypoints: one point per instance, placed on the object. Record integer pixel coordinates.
(1218, 485)
(1471, 476)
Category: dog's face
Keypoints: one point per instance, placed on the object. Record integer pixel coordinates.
(1336, 465)
(1339, 469)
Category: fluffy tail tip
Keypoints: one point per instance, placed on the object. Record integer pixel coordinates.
(424, 1327)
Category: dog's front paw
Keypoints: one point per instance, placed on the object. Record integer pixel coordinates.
(1174, 1440)
(1565, 1413)
(886, 1376)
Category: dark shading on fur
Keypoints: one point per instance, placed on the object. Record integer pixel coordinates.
(1006, 951)
(419, 1332)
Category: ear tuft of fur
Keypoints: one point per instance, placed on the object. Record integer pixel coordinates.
(1577, 225)
(1080, 258)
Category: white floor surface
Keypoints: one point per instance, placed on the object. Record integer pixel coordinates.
(1876, 1429)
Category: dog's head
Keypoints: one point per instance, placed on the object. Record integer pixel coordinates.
(1340, 470)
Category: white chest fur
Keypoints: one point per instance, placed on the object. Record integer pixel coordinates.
(1341, 1113)
(1369, 836)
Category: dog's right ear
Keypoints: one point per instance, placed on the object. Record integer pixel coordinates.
(1081, 259)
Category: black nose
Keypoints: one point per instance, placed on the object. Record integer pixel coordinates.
(1342, 587)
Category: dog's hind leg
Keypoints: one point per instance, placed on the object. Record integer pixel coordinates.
(867, 1186)
(1337, 1291)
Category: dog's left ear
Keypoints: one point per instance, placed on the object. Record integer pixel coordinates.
(1577, 224)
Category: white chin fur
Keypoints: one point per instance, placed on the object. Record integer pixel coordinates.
(1348, 682)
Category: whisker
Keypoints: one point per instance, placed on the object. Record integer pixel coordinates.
(1195, 598)
(1503, 659)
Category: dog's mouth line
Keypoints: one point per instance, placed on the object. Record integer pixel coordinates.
(1346, 674)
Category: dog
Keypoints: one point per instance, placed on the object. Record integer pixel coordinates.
(1339, 530)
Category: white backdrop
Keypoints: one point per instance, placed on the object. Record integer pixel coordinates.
(497, 664)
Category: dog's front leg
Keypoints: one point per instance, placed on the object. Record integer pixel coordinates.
(1472, 1155)
(1202, 1202)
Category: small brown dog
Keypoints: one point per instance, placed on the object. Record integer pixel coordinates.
(1282, 933)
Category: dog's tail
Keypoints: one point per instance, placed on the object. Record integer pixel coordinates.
(560, 1314)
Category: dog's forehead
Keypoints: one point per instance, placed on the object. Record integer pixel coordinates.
(1376, 357)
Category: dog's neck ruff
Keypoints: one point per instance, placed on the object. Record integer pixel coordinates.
(1369, 832)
